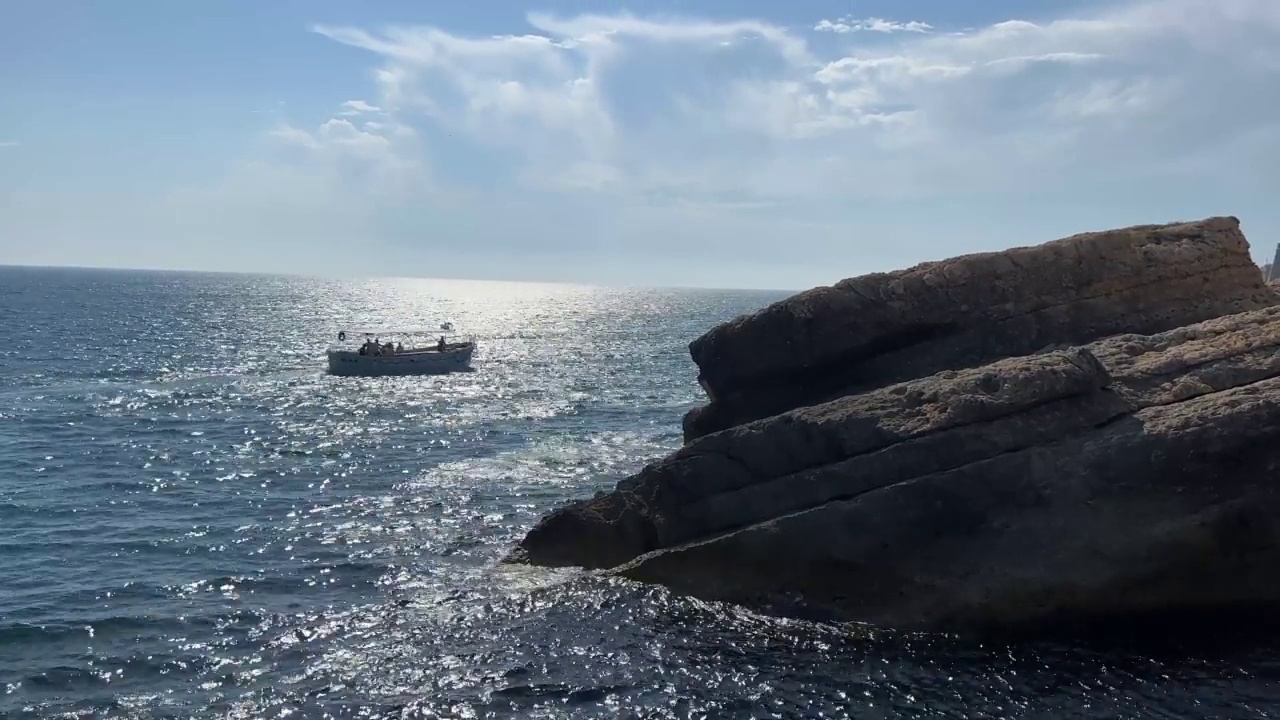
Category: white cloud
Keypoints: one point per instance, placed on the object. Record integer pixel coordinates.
(643, 105)
(358, 107)
(374, 158)
(9, 143)
(848, 24)
(708, 140)
(509, 92)
(598, 31)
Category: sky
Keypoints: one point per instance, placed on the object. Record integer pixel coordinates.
(749, 144)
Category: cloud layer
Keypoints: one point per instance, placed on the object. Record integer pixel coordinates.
(848, 24)
(859, 143)
(749, 111)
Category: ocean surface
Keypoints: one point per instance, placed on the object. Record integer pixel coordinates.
(196, 521)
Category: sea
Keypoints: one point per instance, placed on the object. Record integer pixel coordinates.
(197, 521)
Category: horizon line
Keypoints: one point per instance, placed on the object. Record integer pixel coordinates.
(375, 276)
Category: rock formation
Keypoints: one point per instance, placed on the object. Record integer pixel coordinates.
(874, 330)
(1080, 429)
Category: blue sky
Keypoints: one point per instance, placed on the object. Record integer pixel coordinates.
(667, 142)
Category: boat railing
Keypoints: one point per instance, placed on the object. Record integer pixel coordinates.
(352, 343)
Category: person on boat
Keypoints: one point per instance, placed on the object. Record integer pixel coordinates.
(440, 346)
(399, 347)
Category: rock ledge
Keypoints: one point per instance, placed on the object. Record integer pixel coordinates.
(1084, 428)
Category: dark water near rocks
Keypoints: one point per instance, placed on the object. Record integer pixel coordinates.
(195, 521)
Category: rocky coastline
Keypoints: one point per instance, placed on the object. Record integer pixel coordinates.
(1086, 428)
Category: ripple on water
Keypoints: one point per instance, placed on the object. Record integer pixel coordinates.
(198, 522)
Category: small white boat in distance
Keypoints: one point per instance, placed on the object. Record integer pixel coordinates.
(369, 353)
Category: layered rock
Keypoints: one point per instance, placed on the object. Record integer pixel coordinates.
(1069, 479)
(1157, 492)
(814, 455)
(875, 330)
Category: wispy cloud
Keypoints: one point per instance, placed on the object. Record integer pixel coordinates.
(358, 107)
(601, 101)
(746, 141)
(850, 25)
(9, 143)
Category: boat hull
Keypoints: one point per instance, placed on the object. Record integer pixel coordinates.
(350, 363)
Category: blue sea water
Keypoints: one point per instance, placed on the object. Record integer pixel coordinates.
(196, 521)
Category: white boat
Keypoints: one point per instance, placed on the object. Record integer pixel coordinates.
(369, 353)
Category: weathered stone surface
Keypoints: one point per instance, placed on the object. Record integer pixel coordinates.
(757, 471)
(1130, 474)
(1124, 475)
(875, 330)
(1173, 508)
